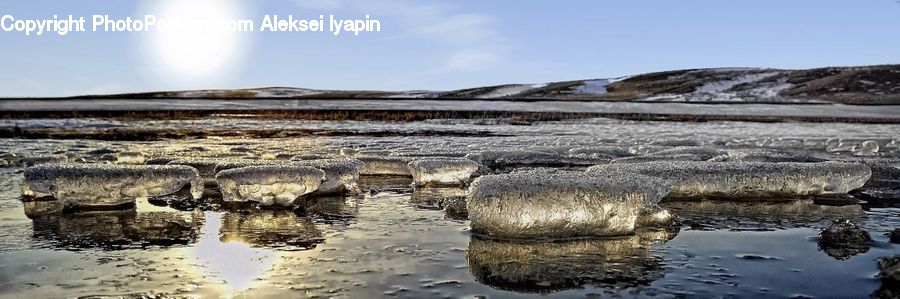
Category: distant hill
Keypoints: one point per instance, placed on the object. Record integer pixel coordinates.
(850, 85)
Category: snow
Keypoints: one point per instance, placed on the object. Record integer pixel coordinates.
(268, 185)
(446, 171)
(97, 185)
(594, 87)
(546, 204)
(748, 180)
(509, 90)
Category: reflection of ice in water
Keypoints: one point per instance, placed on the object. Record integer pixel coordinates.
(233, 263)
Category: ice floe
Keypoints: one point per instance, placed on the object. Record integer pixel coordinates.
(268, 185)
(559, 204)
(514, 158)
(763, 155)
(385, 165)
(442, 171)
(205, 166)
(749, 180)
(341, 175)
(98, 185)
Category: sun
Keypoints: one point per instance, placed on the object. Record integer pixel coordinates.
(188, 44)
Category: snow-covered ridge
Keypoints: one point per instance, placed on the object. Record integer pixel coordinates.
(857, 85)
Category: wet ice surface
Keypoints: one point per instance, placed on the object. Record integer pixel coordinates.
(393, 241)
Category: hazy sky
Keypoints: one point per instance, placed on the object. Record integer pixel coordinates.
(449, 44)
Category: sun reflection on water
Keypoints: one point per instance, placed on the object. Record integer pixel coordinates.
(233, 263)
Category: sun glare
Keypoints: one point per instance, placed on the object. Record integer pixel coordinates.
(191, 43)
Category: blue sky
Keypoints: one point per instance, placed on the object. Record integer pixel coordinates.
(456, 44)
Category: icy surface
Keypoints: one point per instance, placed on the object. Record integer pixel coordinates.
(205, 166)
(341, 175)
(559, 204)
(385, 165)
(446, 171)
(97, 185)
(268, 185)
(513, 158)
(749, 180)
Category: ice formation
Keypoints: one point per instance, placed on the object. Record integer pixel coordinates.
(698, 153)
(131, 158)
(226, 165)
(749, 180)
(559, 204)
(885, 174)
(442, 171)
(600, 152)
(98, 185)
(513, 158)
(341, 175)
(385, 166)
(762, 155)
(269, 184)
(656, 217)
(205, 166)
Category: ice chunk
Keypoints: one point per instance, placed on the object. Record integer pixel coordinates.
(600, 152)
(341, 175)
(514, 158)
(555, 266)
(699, 153)
(559, 204)
(867, 148)
(205, 166)
(762, 155)
(268, 185)
(749, 180)
(442, 172)
(385, 166)
(656, 217)
(885, 174)
(226, 165)
(98, 185)
(131, 158)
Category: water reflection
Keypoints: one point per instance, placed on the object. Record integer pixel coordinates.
(435, 198)
(267, 228)
(557, 266)
(332, 208)
(110, 230)
(231, 260)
